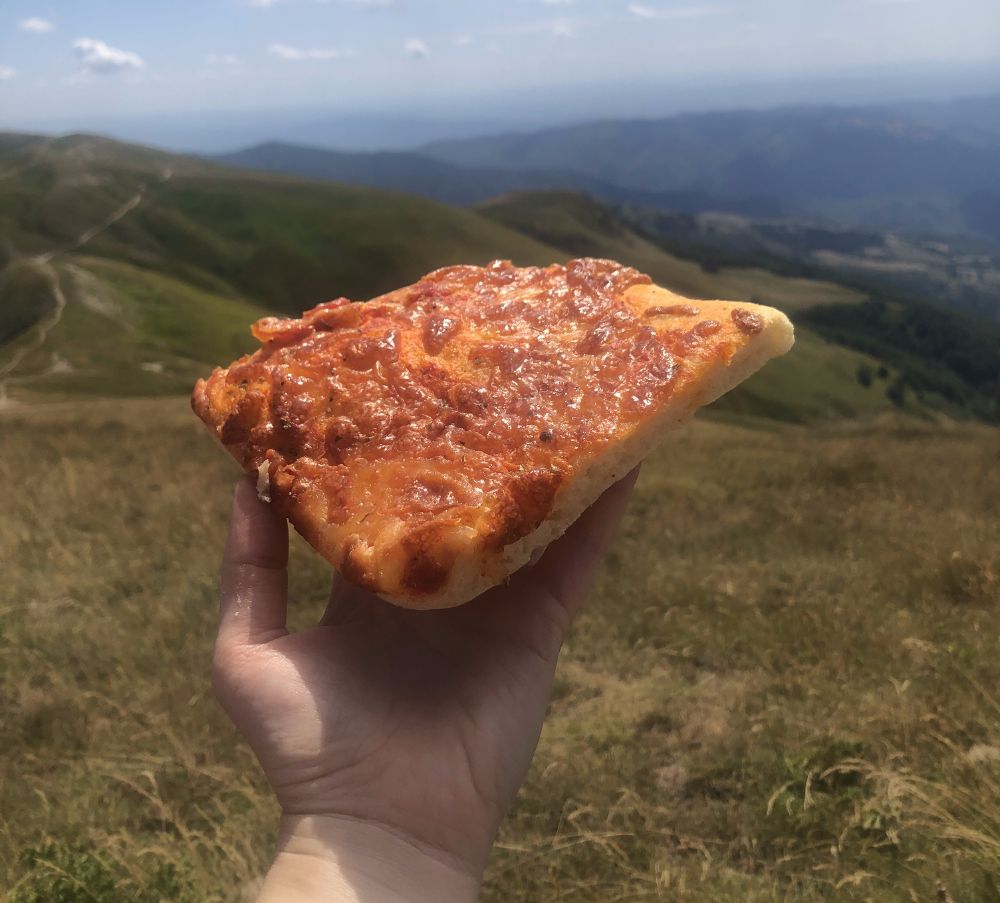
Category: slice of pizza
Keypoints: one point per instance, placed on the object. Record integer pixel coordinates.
(429, 441)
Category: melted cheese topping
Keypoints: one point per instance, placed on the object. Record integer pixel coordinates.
(399, 432)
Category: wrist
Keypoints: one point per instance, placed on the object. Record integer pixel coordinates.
(346, 860)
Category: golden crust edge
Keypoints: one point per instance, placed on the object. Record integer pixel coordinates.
(470, 577)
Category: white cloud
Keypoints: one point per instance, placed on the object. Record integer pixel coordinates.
(6, 73)
(417, 49)
(464, 40)
(557, 2)
(640, 11)
(35, 25)
(98, 58)
(222, 59)
(563, 29)
(298, 54)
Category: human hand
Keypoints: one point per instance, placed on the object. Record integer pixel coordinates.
(395, 740)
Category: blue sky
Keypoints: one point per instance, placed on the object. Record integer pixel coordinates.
(74, 58)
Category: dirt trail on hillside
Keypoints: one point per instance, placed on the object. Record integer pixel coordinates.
(49, 323)
(92, 233)
(42, 331)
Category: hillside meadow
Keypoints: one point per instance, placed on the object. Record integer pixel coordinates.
(785, 686)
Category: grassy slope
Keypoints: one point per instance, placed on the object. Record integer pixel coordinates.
(197, 245)
(279, 241)
(53, 189)
(128, 331)
(780, 602)
(288, 243)
(815, 381)
(27, 297)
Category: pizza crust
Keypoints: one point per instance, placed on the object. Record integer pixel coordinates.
(472, 576)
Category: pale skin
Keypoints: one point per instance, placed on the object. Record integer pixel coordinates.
(394, 740)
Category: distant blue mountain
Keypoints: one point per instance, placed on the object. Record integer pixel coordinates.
(919, 167)
(418, 173)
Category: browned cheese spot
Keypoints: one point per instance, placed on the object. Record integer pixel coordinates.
(342, 434)
(468, 399)
(438, 331)
(603, 334)
(364, 352)
(704, 329)
(245, 416)
(525, 504)
(433, 493)
(747, 321)
(428, 564)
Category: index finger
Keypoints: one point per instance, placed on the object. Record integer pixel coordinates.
(253, 595)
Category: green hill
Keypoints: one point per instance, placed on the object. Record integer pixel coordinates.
(281, 241)
(53, 189)
(162, 261)
(289, 243)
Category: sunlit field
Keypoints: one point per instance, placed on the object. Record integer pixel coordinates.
(786, 685)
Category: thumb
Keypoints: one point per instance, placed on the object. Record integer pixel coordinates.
(253, 596)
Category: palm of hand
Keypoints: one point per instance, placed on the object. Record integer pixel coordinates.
(420, 722)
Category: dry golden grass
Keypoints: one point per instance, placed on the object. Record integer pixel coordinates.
(785, 686)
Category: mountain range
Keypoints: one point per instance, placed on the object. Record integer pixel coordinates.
(127, 270)
(923, 169)
(421, 173)
(883, 168)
